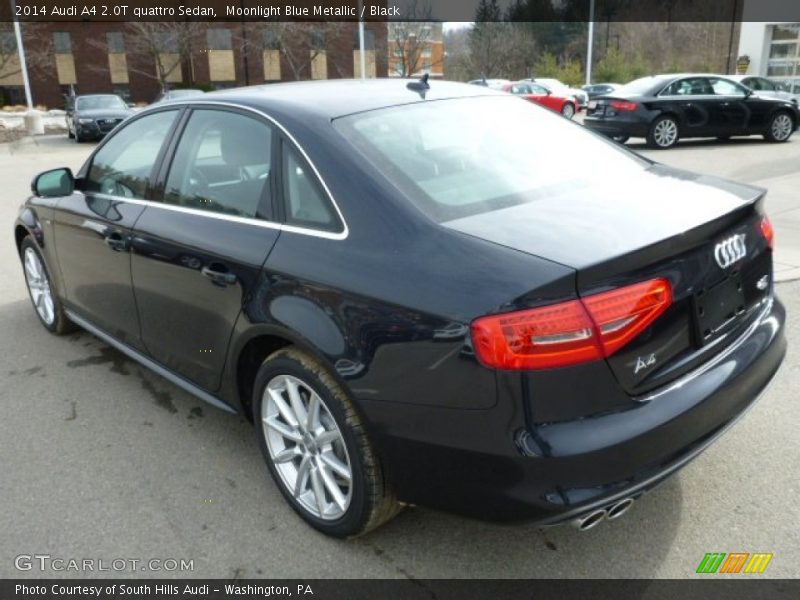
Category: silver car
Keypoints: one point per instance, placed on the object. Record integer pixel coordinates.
(766, 87)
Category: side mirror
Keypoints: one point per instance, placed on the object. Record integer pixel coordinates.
(52, 184)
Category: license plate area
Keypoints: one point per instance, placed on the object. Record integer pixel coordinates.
(718, 307)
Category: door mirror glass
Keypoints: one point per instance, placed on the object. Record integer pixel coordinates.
(52, 184)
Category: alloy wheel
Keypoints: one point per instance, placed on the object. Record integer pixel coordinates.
(568, 110)
(306, 447)
(665, 133)
(39, 286)
(781, 127)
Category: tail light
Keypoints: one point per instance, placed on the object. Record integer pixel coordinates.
(623, 105)
(570, 333)
(768, 232)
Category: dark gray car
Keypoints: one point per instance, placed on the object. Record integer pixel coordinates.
(93, 116)
(766, 87)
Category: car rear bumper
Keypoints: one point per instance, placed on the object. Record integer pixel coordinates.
(490, 464)
(614, 128)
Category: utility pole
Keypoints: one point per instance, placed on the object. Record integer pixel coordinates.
(21, 53)
(590, 44)
(361, 54)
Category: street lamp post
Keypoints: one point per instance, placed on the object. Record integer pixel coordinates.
(21, 53)
(361, 42)
(590, 44)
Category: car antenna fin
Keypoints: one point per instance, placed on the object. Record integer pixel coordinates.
(421, 86)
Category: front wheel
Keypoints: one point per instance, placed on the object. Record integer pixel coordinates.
(45, 301)
(780, 128)
(664, 133)
(568, 110)
(316, 447)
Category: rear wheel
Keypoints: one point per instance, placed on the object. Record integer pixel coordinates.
(664, 133)
(45, 301)
(568, 110)
(316, 447)
(780, 128)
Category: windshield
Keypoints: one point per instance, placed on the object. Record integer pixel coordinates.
(467, 156)
(95, 102)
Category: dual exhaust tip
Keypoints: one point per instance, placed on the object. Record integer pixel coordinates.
(615, 511)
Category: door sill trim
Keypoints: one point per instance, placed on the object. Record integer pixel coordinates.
(145, 361)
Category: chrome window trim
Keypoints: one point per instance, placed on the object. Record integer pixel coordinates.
(341, 235)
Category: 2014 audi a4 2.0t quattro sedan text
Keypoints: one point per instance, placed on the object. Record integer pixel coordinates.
(412, 302)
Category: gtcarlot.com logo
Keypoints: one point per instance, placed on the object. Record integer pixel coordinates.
(733, 563)
(46, 562)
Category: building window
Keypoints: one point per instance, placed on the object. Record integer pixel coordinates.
(62, 42)
(426, 52)
(116, 42)
(219, 39)
(318, 39)
(165, 42)
(398, 51)
(369, 40)
(784, 55)
(271, 40)
(8, 43)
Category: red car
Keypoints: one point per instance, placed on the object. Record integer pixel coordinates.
(541, 95)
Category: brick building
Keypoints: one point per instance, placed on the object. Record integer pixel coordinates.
(132, 60)
(415, 48)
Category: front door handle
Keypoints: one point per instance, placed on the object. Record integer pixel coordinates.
(116, 242)
(218, 276)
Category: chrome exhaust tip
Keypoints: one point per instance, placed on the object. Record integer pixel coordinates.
(619, 509)
(586, 522)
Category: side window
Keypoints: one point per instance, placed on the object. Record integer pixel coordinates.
(306, 206)
(222, 164)
(753, 83)
(723, 87)
(517, 89)
(766, 84)
(537, 89)
(123, 165)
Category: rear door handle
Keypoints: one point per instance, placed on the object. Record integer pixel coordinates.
(116, 242)
(217, 276)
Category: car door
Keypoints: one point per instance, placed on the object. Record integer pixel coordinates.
(691, 98)
(198, 250)
(93, 226)
(730, 113)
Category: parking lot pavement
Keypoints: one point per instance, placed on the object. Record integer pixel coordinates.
(100, 458)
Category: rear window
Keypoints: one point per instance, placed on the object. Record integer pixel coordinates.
(462, 157)
(642, 87)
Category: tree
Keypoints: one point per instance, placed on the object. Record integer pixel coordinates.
(298, 43)
(411, 37)
(38, 55)
(165, 45)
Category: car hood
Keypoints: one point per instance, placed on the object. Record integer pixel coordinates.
(104, 113)
(588, 224)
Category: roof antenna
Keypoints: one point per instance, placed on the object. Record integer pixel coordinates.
(421, 86)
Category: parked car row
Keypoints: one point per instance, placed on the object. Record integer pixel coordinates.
(665, 108)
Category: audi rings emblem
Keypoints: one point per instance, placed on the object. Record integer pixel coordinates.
(730, 251)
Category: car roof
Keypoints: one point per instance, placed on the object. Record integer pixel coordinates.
(331, 99)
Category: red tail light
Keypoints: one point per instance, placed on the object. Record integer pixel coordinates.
(768, 232)
(623, 105)
(572, 332)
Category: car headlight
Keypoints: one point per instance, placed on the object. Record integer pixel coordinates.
(85, 121)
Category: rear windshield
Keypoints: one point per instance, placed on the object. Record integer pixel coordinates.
(642, 87)
(462, 157)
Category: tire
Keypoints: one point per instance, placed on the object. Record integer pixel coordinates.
(78, 138)
(620, 139)
(44, 297)
(568, 110)
(323, 454)
(70, 135)
(780, 128)
(664, 133)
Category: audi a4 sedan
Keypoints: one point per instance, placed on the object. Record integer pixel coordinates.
(666, 108)
(93, 116)
(415, 311)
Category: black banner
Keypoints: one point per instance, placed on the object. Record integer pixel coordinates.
(602, 11)
(733, 588)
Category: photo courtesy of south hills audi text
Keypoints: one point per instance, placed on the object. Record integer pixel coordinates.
(184, 591)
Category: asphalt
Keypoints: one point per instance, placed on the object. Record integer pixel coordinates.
(101, 459)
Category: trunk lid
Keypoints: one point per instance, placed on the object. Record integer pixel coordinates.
(662, 223)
